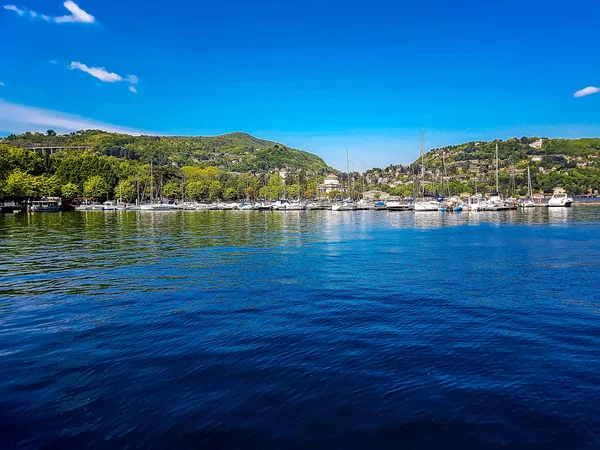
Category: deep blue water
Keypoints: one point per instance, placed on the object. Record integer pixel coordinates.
(320, 330)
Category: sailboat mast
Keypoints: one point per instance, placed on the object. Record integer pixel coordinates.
(529, 182)
(363, 180)
(348, 170)
(497, 183)
(151, 176)
(422, 160)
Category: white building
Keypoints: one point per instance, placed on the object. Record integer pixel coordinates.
(537, 144)
(330, 183)
(376, 195)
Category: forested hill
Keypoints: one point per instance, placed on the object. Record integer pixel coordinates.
(573, 164)
(234, 152)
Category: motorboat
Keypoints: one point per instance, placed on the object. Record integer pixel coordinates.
(476, 203)
(109, 206)
(344, 206)
(380, 206)
(317, 206)
(280, 204)
(426, 205)
(264, 206)
(364, 204)
(156, 207)
(246, 207)
(295, 206)
(50, 204)
(560, 199)
(397, 205)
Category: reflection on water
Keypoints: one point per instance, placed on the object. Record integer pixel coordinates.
(318, 329)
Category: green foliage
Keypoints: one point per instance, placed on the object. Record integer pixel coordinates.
(96, 187)
(126, 189)
(69, 191)
(335, 194)
(238, 152)
(197, 190)
(51, 186)
(173, 189)
(21, 185)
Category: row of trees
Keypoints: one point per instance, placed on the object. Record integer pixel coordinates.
(70, 174)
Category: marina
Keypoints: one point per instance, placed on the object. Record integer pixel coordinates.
(454, 204)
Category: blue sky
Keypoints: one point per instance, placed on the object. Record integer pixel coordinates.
(319, 75)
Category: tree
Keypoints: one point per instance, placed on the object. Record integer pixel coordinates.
(51, 186)
(69, 191)
(215, 190)
(20, 184)
(230, 194)
(197, 190)
(172, 189)
(126, 190)
(96, 187)
(51, 132)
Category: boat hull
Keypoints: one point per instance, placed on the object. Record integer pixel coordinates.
(426, 206)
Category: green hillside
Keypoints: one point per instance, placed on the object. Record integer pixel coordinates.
(573, 164)
(234, 152)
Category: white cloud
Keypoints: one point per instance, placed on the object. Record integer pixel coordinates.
(99, 72)
(15, 9)
(77, 15)
(104, 75)
(1, 83)
(53, 61)
(586, 91)
(16, 118)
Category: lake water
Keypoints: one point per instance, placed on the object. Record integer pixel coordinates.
(320, 330)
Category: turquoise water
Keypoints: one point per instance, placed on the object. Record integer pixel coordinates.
(240, 329)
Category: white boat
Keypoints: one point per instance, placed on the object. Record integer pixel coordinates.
(50, 204)
(344, 206)
(318, 206)
(364, 204)
(156, 207)
(560, 199)
(380, 206)
(426, 205)
(246, 207)
(295, 206)
(264, 206)
(108, 206)
(280, 204)
(528, 202)
(396, 205)
(476, 203)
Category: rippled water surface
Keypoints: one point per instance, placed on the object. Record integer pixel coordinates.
(312, 330)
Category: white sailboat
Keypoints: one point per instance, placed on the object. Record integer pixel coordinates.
(348, 204)
(528, 203)
(424, 203)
